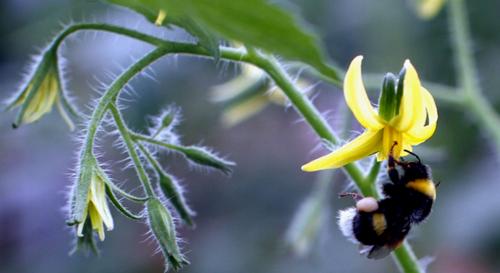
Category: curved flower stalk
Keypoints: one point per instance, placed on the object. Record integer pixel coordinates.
(407, 117)
(40, 92)
(97, 208)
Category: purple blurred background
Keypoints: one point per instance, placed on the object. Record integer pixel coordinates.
(242, 219)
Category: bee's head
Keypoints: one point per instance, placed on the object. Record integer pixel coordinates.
(416, 169)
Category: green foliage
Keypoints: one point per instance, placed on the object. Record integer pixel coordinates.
(255, 23)
(206, 39)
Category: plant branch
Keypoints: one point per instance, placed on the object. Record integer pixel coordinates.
(87, 155)
(442, 92)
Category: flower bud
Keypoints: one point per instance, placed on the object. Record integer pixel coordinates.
(40, 92)
(173, 194)
(164, 124)
(201, 156)
(163, 228)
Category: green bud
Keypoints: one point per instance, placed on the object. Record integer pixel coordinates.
(203, 157)
(168, 118)
(163, 228)
(172, 192)
(166, 121)
(387, 101)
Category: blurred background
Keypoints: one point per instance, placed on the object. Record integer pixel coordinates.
(242, 219)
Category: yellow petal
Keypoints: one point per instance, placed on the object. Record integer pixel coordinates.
(42, 101)
(411, 102)
(356, 98)
(98, 199)
(362, 146)
(96, 221)
(391, 140)
(421, 132)
(406, 147)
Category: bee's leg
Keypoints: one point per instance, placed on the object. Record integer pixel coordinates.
(392, 172)
(354, 195)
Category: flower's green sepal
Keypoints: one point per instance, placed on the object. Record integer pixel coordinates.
(162, 225)
(400, 89)
(387, 100)
(40, 92)
(80, 192)
(86, 242)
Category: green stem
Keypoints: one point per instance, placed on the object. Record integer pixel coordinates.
(100, 110)
(131, 197)
(303, 105)
(129, 142)
(138, 137)
(406, 259)
(467, 74)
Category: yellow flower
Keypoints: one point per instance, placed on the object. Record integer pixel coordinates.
(97, 208)
(40, 93)
(413, 122)
(427, 9)
(248, 94)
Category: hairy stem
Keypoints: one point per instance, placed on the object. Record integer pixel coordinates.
(129, 142)
(467, 74)
(108, 98)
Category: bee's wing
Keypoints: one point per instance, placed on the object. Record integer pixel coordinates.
(379, 251)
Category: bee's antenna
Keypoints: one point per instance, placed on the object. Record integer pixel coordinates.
(415, 155)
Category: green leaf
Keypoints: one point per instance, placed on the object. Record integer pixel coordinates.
(257, 23)
(150, 10)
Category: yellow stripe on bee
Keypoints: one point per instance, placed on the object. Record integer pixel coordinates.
(379, 223)
(425, 186)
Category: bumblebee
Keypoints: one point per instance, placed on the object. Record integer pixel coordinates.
(381, 226)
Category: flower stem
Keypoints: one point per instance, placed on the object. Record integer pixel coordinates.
(467, 73)
(106, 99)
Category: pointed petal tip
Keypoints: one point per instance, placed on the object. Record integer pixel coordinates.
(357, 59)
(307, 168)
